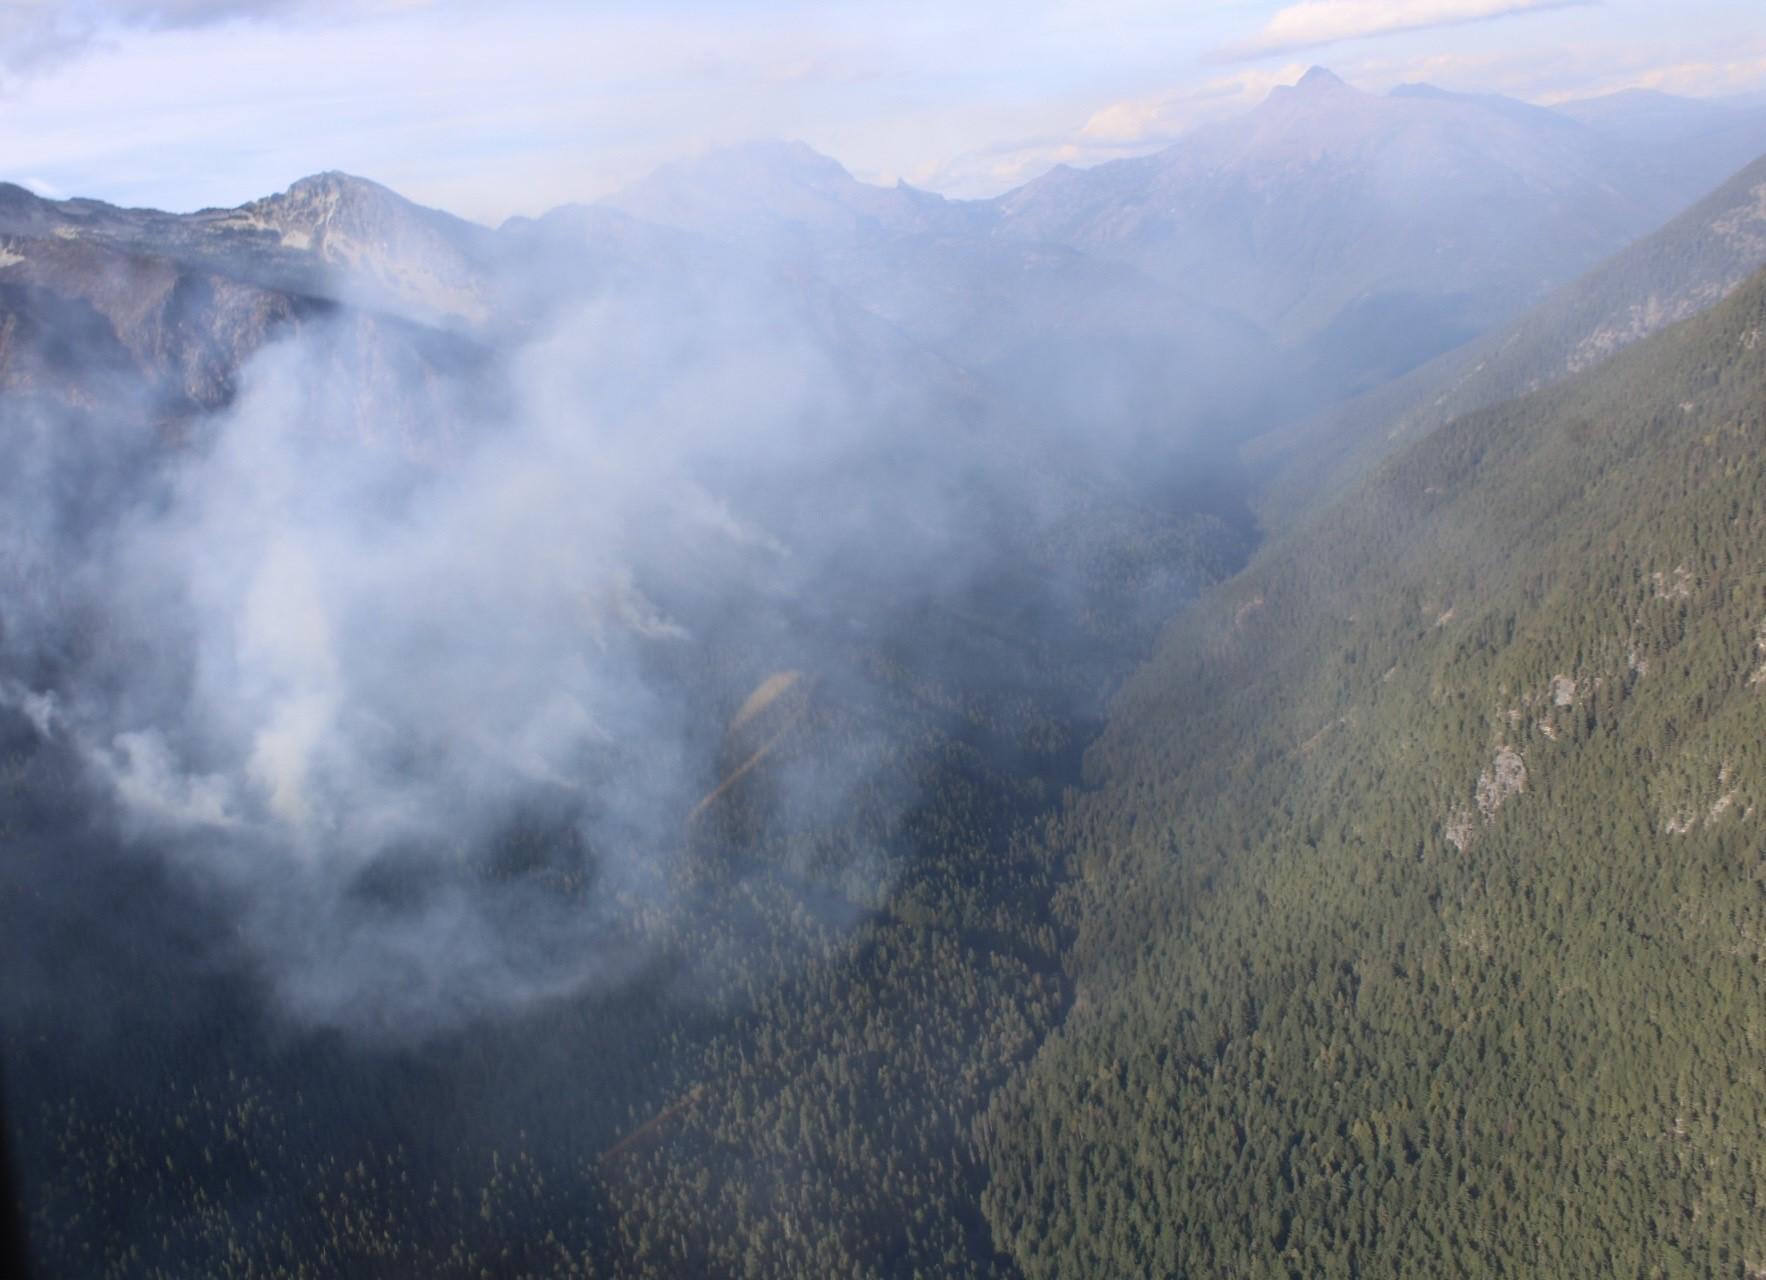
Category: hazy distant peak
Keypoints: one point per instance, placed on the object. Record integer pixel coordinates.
(1649, 113)
(1422, 90)
(1435, 93)
(771, 195)
(1515, 109)
(775, 159)
(1320, 89)
(790, 153)
(1645, 98)
(1637, 95)
(1322, 80)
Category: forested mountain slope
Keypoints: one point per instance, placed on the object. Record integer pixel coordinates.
(1669, 275)
(1421, 902)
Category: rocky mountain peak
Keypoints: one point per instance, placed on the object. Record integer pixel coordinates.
(334, 183)
(417, 260)
(326, 210)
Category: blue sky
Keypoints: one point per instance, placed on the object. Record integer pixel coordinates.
(490, 109)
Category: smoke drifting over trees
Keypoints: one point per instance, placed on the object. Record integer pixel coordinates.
(613, 688)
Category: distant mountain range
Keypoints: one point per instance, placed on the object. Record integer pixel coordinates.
(137, 315)
(1687, 266)
(1321, 244)
(1326, 199)
(1360, 233)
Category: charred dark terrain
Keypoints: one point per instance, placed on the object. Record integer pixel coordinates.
(1199, 718)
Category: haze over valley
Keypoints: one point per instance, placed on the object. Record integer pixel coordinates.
(1196, 714)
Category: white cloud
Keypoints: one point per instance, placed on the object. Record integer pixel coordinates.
(38, 35)
(1318, 22)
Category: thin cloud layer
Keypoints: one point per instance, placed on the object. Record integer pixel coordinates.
(38, 34)
(1320, 22)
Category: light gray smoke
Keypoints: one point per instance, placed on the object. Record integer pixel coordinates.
(420, 655)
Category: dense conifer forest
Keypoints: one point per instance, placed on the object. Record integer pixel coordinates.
(1420, 900)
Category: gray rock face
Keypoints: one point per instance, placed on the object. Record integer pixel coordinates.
(143, 320)
(391, 252)
(1502, 781)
